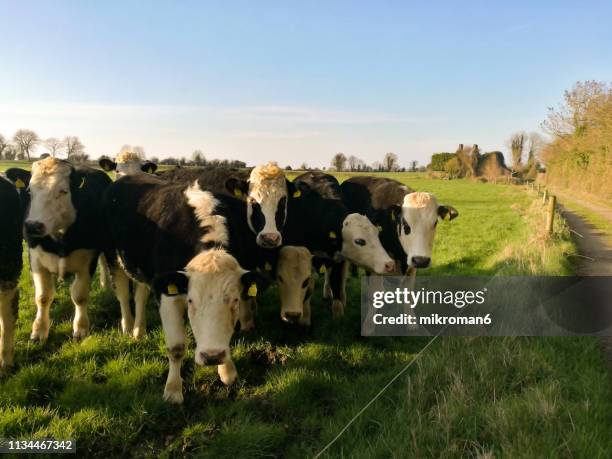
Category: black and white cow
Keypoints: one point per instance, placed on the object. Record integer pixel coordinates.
(407, 218)
(189, 243)
(64, 230)
(319, 220)
(10, 268)
(127, 162)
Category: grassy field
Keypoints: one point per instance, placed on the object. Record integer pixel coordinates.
(480, 397)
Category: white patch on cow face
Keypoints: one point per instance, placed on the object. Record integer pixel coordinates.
(50, 199)
(418, 227)
(213, 306)
(267, 199)
(204, 204)
(128, 168)
(361, 245)
(293, 275)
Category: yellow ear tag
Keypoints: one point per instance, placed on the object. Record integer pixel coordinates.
(150, 170)
(172, 289)
(267, 267)
(447, 216)
(19, 183)
(252, 290)
(82, 182)
(392, 216)
(297, 194)
(332, 235)
(379, 228)
(322, 269)
(237, 192)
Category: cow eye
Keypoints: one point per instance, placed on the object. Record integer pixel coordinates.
(305, 283)
(361, 242)
(406, 226)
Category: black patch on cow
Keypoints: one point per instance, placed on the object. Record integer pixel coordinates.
(10, 235)
(107, 164)
(149, 167)
(258, 220)
(170, 284)
(281, 213)
(253, 278)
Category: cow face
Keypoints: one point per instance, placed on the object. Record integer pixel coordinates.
(267, 204)
(216, 286)
(294, 276)
(51, 211)
(416, 225)
(361, 245)
(127, 167)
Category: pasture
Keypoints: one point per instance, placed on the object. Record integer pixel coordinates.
(515, 397)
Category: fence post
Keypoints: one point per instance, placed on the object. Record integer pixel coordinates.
(550, 214)
(545, 197)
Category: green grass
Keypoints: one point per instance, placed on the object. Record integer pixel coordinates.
(513, 397)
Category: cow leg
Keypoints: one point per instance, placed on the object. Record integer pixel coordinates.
(306, 312)
(172, 313)
(247, 314)
(141, 297)
(105, 276)
(9, 300)
(337, 280)
(121, 284)
(44, 291)
(79, 292)
(375, 283)
(227, 372)
(327, 291)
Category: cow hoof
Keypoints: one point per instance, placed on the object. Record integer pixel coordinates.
(227, 373)
(327, 293)
(139, 333)
(337, 309)
(80, 333)
(173, 396)
(247, 326)
(39, 336)
(304, 322)
(127, 326)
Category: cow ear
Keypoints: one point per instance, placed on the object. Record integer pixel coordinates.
(447, 212)
(20, 177)
(297, 189)
(395, 213)
(170, 284)
(253, 282)
(236, 187)
(148, 167)
(321, 264)
(107, 164)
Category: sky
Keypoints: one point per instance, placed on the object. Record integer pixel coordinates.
(294, 82)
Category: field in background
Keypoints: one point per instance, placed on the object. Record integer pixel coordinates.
(514, 397)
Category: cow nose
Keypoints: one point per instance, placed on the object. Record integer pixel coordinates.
(212, 357)
(292, 317)
(271, 239)
(34, 228)
(389, 266)
(421, 262)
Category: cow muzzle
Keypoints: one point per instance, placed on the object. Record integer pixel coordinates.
(212, 357)
(34, 228)
(269, 240)
(292, 317)
(420, 262)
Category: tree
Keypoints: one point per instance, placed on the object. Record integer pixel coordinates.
(339, 161)
(73, 146)
(517, 145)
(54, 146)
(198, 158)
(453, 167)
(3, 145)
(10, 153)
(390, 162)
(439, 159)
(26, 140)
(413, 166)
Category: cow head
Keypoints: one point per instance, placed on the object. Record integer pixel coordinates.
(267, 204)
(215, 287)
(127, 163)
(416, 223)
(294, 277)
(51, 211)
(361, 245)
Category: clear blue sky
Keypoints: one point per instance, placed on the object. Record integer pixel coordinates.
(294, 81)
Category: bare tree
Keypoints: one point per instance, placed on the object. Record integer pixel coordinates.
(198, 158)
(73, 146)
(390, 162)
(339, 161)
(54, 146)
(353, 163)
(3, 145)
(26, 140)
(517, 144)
(413, 166)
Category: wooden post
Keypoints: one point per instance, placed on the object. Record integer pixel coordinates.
(550, 214)
(545, 197)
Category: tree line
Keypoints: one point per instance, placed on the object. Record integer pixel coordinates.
(390, 163)
(25, 142)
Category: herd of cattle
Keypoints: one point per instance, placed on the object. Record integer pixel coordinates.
(205, 241)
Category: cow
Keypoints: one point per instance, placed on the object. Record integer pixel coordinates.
(10, 268)
(64, 230)
(319, 220)
(127, 162)
(191, 245)
(407, 218)
(295, 284)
